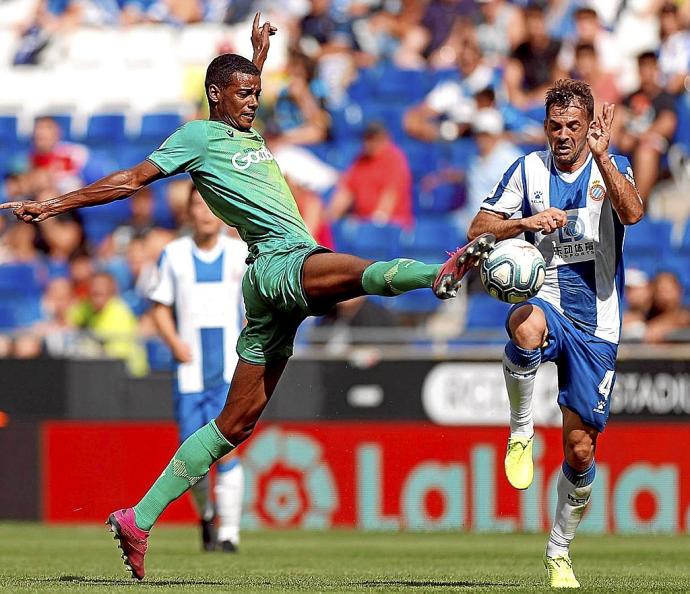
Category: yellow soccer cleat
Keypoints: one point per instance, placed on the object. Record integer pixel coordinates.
(518, 463)
(560, 572)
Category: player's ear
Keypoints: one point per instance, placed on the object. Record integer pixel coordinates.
(213, 93)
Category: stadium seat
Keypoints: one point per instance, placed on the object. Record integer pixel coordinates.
(404, 87)
(105, 129)
(421, 301)
(433, 235)
(485, 313)
(8, 131)
(155, 127)
(682, 136)
(377, 242)
(649, 237)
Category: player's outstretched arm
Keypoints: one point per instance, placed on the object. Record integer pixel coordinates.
(625, 198)
(545, 222)
(261, 40)
(115, 186)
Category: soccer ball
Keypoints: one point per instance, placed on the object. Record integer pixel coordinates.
(514, 271)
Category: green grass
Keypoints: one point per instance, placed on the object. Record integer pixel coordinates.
(36, 558)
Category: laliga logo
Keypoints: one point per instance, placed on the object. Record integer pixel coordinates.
(287, 483)
(242, 161)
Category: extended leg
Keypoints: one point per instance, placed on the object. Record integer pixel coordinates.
(521, 360)
(574, 491)
(251, 388)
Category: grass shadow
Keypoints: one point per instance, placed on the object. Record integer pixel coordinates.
(434, 584)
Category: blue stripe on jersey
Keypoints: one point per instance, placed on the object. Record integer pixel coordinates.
(208, 272)
(505, 181)
(212, 356)
(567, 196)
(619, 231)
(526, 206)
(578, 290)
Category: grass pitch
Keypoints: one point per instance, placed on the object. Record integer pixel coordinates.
(36, 558)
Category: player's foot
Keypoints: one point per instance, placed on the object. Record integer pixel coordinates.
(518, 462)
(460, 262)
(560, 572)
(208, 535)
(132, 540)
(227, 546)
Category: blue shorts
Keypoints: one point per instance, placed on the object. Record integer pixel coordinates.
(586, 366)
(194, 410)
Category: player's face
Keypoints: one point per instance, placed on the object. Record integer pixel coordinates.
(238, 102)
(566, 131)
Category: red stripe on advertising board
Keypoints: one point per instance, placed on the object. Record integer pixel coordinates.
(378, 476)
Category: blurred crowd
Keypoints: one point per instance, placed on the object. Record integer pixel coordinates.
(391, 112)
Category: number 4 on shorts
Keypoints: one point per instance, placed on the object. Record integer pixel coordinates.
(606, 383)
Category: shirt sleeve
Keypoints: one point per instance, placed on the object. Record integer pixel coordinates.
(623, 165)
(182, 151)
(162, 289)
(442, 97)
(508, 194)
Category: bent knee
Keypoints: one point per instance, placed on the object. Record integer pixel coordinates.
(527, 326)
(579, 454)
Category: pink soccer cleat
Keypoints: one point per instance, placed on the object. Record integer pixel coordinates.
(133, 540)
(460, 262)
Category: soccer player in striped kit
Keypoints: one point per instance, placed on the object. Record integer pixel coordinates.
(198, 312)
(573, 202)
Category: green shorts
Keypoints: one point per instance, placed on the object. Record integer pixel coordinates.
(275, 302)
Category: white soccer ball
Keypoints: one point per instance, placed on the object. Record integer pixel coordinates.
(514, 271)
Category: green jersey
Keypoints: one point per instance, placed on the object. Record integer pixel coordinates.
(238, 178)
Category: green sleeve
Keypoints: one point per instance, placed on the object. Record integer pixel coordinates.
(183, 150)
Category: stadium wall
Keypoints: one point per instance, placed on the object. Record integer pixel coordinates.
(378, 476)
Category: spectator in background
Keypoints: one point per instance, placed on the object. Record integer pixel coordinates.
(300, 115)
(495, 153)
(439, 19)
(674, 53)
(50, 17)
(20, 245)
(667, 314)
(587, 68)
(63, 162)
(448, 109)
(111, 322)
(647, 125)
(61, 239)
(638, 301)
(589, 32)
(378, 185)
(313, 212)
(501, 28)
(532, 67)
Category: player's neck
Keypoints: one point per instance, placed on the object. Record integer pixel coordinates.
(205, 242)
(581, 160)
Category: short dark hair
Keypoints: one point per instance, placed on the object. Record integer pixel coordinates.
(644, 56)
(587, 48)
(224, 66)
(585, 11)
(567, 91)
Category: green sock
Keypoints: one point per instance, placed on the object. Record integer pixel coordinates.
(398, 276)
(189, 465)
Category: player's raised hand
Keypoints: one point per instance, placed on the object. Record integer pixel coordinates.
(28, 211)
(599, 133)
(547, 221)
(261, 40)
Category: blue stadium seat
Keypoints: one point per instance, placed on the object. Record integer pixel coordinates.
(377, 242)
(404, 87)
(8, 131)
(423, 157)
(105, 129)
(648, 237)
(159, 355)
(682, 135)
(20, 294)
(347, 123)
(433, 235)
(419, 301)
(156, 127)
(485, 313)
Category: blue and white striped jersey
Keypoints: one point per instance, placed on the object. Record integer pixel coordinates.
(584, 259)
(205, 290)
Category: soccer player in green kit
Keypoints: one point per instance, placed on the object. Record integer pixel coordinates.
(289, 276)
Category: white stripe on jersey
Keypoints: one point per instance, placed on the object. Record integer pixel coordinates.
(214, 303)
(584, 277)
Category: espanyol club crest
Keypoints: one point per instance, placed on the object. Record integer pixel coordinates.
(597, 191)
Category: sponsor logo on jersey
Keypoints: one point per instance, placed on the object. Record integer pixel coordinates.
(597, 191)
(243, 161)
